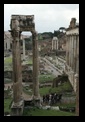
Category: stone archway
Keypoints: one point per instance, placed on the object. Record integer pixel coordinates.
(20, 23)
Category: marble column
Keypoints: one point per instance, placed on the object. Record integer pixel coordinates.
(57, 44)
(36, 94)
(56, 60)
(75, 53)
(23, 49)
(17, 105)
(17, 69)
(77, 60)
(69, 50)
(72, 52)
(52, 44)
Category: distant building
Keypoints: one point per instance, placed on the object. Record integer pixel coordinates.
(7, 41)
(55, 43)
(72, 58)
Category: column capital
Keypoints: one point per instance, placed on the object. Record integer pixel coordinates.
(34, 32)
(15, 34)
(35, 35)
(15, 24)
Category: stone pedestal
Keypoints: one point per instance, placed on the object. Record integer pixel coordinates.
(36, 101)
(17, 108)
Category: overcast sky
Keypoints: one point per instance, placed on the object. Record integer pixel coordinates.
(48, 17)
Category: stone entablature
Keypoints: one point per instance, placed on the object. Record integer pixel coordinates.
(73, 31)
(23, 22)
(18, 24)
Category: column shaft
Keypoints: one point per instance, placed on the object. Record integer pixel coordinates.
(72, 52)
(52, 44)
(77, 60)
(69, 52)
(75, 53)
(17, 72)
(35, 67)
(57, 44)
(23, 49)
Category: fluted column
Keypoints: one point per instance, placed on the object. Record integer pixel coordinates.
(57, 44)
(52, 44)
(77, 60)
(75, 53)
(23, 49)
(56, 60)
(69, 50)
(18, 102)
(72, 52)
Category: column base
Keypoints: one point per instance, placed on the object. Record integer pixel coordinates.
(17, 109)
(36, 101)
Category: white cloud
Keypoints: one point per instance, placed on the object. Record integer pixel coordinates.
(48, 17)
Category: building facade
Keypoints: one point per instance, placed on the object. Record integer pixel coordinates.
(72, 52)
(7, 41)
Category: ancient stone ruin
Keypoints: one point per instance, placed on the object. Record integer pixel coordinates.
(20, 23)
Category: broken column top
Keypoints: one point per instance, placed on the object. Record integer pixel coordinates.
(24, 22)
(72, 23)
(22, 16)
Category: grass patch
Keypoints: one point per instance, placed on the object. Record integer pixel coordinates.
(8, 60)
(65, 104)
(41, 112)
(6, 80)
(44, 90)
(6, 104)
(44, 78)
(66, 86)
(60, 89)
(30, 61)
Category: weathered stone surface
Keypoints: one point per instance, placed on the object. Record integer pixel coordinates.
(73, 65)
(17, 109)
(18, 24)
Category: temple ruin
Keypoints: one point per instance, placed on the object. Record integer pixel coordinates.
(20, 23)
(55, 43)
(72, 58)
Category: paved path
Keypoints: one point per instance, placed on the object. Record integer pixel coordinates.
(50, 67)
